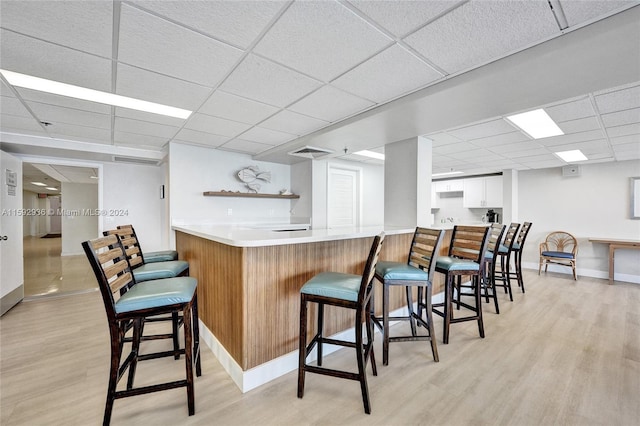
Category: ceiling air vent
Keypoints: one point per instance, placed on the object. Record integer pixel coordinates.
(310, 152)
(133, 160)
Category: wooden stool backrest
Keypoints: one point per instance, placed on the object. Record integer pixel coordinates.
(496, 230)
(469, 242)
(130, 243)
(370, 269)
(424, 249)
(511, 234)
(522, 236)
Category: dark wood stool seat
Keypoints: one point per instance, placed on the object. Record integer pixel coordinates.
(344, 291)
(465, 259)
(417, 272)
(127, 306)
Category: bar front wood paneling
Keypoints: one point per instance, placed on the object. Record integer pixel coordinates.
(249, 296)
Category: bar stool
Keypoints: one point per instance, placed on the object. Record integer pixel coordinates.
(504, 252)
(152, 256)
(466, 258)
(417, 271)
(345, 291)
(517, 248)
(127, 305)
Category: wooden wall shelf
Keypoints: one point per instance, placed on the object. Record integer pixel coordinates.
(248, 195)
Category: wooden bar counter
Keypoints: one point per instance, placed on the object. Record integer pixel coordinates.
(249, 282)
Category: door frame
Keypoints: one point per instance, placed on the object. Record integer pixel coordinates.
(358, 189)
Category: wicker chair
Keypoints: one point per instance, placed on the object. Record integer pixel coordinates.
(560, 248)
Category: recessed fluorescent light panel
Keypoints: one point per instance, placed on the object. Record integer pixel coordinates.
(446, 174)
(51, 188)
(38, 184)
(71, 91)
(571, 156)
(536, 124)
(370, 154)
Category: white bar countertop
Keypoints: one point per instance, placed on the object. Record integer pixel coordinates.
(246, 236)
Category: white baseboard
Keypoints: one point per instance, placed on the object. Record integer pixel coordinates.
(593, 273)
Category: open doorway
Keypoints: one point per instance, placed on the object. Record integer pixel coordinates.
(62, 205)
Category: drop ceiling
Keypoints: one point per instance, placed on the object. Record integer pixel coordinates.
(53, 175)
(268, 77)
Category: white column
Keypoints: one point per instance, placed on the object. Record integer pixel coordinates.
(510, 196)
(407, 183)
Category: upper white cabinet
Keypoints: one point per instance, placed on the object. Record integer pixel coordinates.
(449, 185)
(482, 192)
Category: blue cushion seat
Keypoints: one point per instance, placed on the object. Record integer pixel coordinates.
(503, 249)
(448, 263)
(515, 247)
(336, 285)
(160, 256)
(400, 271)
(157, 293)
(559, 254)
(155, 271)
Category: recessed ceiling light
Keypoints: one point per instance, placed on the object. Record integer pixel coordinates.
(571, 156)
(93, 177)
(536, 124)
(38, 184)
(69, 90)
(446, 174)
(51, 188)
(370, 154)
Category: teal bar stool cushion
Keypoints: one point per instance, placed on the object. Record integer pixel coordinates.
(160, 256)
(400, 271)
(448, 263)
(335, 285)
(157, 293)
(155, 271)
(515, 247)
(503, 249)
(559, 254)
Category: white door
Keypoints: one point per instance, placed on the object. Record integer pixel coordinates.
(343, 195)
(11, 266)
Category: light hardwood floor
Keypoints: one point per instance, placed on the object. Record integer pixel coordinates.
(565, 353)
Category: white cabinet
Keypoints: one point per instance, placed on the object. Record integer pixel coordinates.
(435, 199)
(482, 192)
(449, 185)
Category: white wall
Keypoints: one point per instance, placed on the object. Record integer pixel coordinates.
(131, 195)
(595, 204)
(302, 183)
(78, 224)
(30, 223)
(194, 170)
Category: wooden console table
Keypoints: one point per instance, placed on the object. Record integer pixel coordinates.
(613, 245)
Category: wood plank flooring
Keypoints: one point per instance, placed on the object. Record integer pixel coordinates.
(565, 353)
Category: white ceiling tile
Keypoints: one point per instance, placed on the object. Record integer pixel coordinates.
(572, 138)
(152, 87)
(330, 104)
(370, 80)
(215, 125)
(454, 148)
(147, 116)
(262, 80)
(629, 129)
(50, 20)
(5, 90)
(13, 106)
(479, 31)
(80, 133)
(153, 43)
(293, 123)
(588, 148)
(621, 118)
(45, 60)
(515, 146)
(571, 110)
(144, 128)
(266, 136)
(501, 139)
(544, 163)
(138, 141)
(236, 108)
(478, 156)
(235, 22)
(57, 115)
(482, 130)
(633, 147)
(579, 125)
(201, 138)
(442, 138)
(618, 100)
(321, 38)
(577, 11)
(402, 17)
(634, 138)
(633, 154)
(525, 152)
(19, 123)
(63, 101)
(249, 147)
